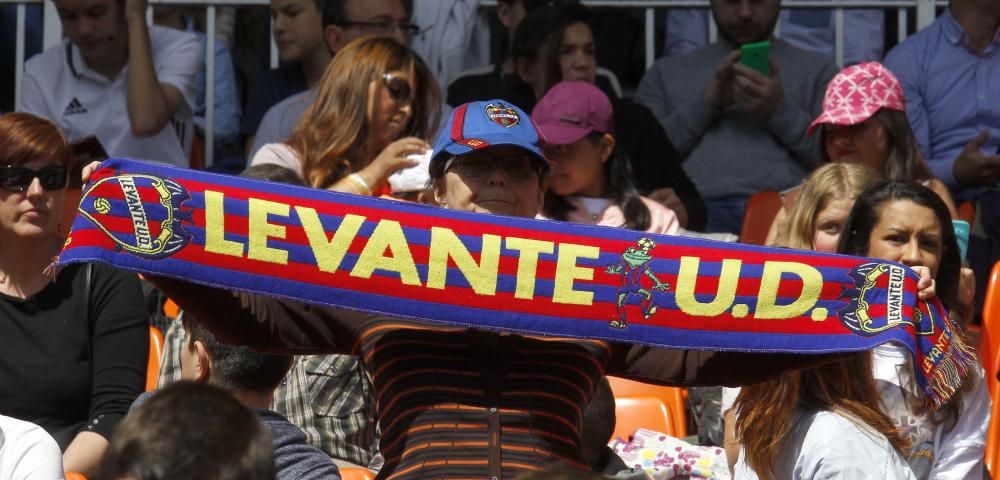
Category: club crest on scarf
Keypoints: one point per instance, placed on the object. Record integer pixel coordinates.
(633, 265)
(502, 115)
(880, 284)
(150, 204)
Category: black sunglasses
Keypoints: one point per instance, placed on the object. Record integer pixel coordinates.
(15, 178)
(399, 89)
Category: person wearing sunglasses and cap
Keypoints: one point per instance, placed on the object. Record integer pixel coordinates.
(374, 107)
(458, 402)
(86, 329)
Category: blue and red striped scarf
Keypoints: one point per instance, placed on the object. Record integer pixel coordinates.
(514, 274)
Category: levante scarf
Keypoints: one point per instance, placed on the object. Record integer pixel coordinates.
(520, 275)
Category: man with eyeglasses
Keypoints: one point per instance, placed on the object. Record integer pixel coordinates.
(343, 22)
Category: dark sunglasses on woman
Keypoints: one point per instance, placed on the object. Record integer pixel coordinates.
(399, 89)
(17, 178)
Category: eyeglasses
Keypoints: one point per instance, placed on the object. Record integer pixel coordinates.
(385, 27)
(398, 88)
(519, 167)
(15, 178)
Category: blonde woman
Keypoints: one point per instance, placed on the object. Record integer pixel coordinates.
(374, 106)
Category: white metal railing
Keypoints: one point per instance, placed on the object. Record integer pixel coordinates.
(925, 14)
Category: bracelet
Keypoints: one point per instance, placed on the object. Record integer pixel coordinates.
(360, 184)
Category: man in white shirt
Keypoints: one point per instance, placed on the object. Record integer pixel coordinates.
(130, 85)
(27, 452)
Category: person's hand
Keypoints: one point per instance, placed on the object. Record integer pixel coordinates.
(393, 157)
(88, 171)
(756, 93)
(668, 198)
(719, 92)
(972, 167)
(926, 285)
(135, 9)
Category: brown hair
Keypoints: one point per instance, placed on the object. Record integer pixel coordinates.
(330, 137)
(829, 183)
(25, 137)
(767, 410)
(903, 162)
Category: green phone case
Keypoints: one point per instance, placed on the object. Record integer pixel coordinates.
(755, 56)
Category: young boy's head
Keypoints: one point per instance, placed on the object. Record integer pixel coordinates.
(192, 431)
(232, 368)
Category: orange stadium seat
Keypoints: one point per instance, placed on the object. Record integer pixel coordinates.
(356, 473)
(990, 331)
(967, 212)
(75, 476)
(758, 216)
(633, 413)
(992, 458)
(672, 397)
(155, 354)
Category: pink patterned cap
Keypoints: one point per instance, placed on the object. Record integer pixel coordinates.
(856, 93)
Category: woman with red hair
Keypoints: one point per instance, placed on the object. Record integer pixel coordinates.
(73, 348)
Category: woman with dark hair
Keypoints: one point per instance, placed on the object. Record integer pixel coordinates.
(910, 224)
(86, 329)
(591, 180)
(374, 107)
(825, 420)
(556, 43)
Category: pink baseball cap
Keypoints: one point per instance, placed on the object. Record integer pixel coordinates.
(571, 110)
(856, 93)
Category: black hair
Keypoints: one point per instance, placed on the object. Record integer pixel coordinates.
(855, 241)
(333, 11)
(237, 367)
(541, 29)
(192, 431)
(273, 173)
(866, 214)
(621, 183)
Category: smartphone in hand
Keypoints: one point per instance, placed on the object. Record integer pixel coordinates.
(756, 56)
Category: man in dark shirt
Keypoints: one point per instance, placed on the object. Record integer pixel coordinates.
(252, 378)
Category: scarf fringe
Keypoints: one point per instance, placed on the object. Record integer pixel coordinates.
(947, 376)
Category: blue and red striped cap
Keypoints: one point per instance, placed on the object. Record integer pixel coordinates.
(478, 125)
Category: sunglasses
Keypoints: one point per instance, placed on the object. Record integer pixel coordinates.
(15, 178)
(399, 89)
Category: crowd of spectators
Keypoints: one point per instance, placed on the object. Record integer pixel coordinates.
(871, 159)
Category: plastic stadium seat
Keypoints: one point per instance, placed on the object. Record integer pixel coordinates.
(990, 330)
(673, 398)
(356, 473)
(75, 476)
(758, 216)
(633, 413)
(155, 354)
(170, 309)
(967, 212)
(992, 457)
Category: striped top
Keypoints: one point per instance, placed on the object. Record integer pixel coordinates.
(460, 403)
